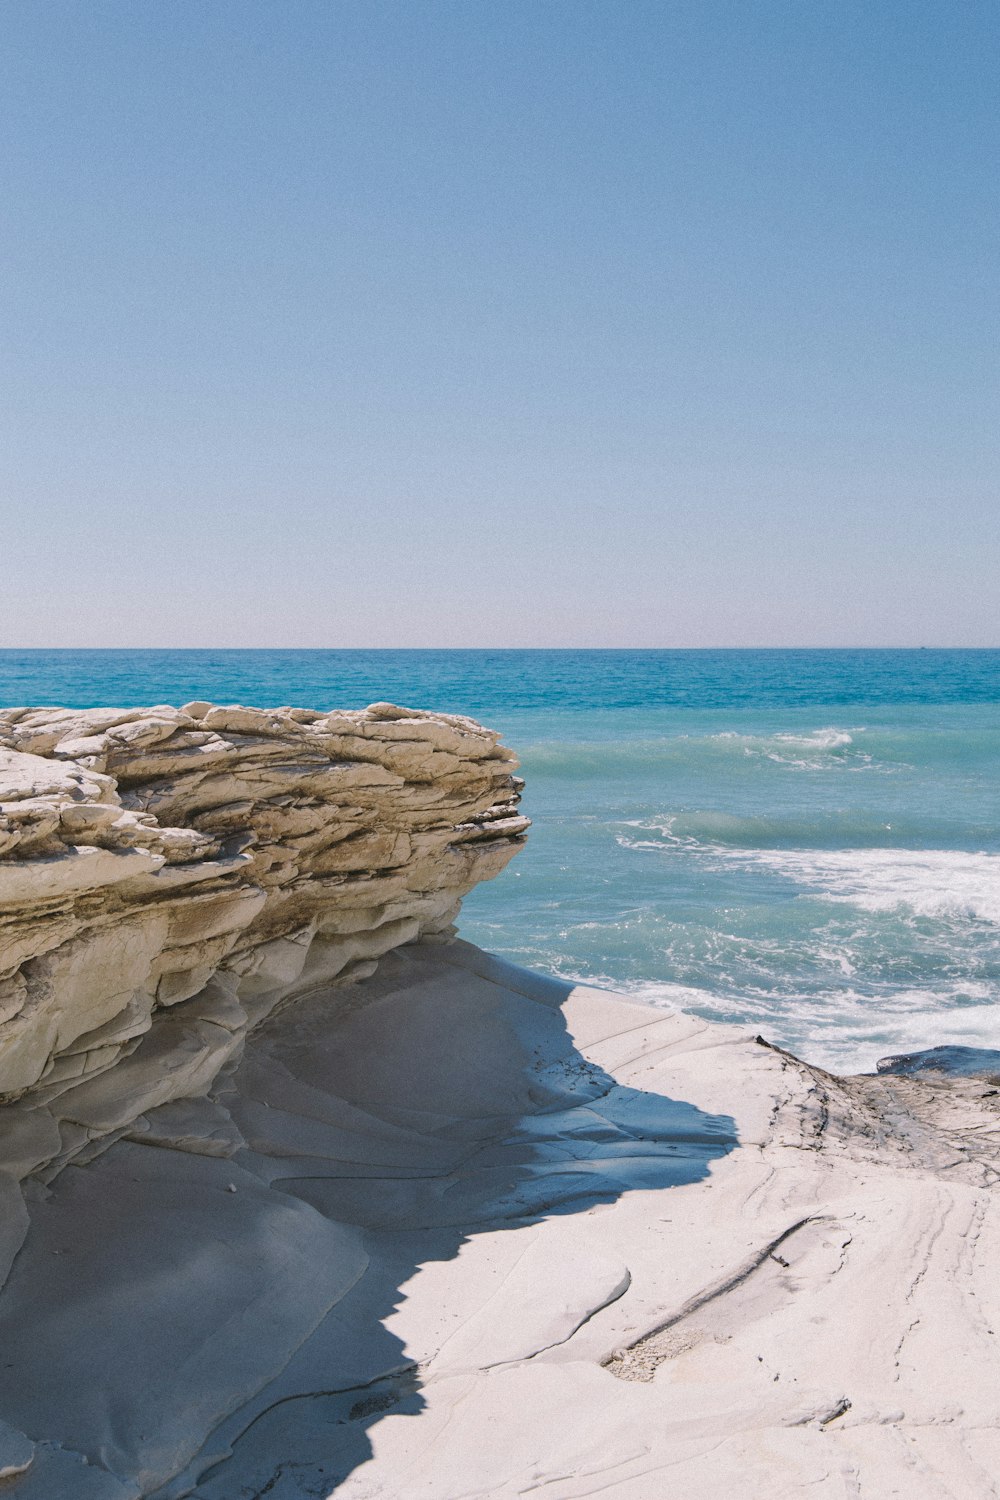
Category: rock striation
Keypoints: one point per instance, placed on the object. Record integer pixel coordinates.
(168, 876)
(455, 1229)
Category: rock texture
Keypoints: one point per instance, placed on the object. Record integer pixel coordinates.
(456, 1231)
(461, 1231)
(168, 876)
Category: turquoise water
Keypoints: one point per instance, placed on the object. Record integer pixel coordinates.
(808, 842)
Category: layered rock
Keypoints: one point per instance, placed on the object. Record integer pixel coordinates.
(168, 876)
(456, 1230)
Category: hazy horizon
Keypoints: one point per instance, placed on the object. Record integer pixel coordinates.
(790, 648)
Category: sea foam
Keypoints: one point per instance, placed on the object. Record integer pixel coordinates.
(938, 883)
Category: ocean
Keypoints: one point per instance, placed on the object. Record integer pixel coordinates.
(806, 842)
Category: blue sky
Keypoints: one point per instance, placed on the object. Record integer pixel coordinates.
(501, 322)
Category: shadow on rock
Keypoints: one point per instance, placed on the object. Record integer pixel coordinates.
(387, 1126)
(462, 1106)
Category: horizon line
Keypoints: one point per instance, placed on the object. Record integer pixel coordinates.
(417, 650)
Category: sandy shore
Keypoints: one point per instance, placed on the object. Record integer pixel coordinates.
(460, 1230)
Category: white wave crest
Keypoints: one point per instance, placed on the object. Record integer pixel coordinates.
(815, 751)
(941, 883)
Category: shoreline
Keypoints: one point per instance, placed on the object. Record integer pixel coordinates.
(304, 1197)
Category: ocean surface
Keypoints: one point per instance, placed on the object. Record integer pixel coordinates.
(807, 842)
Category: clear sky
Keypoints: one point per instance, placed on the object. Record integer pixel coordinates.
(500, 322)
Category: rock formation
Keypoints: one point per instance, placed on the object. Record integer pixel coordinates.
(167, 877)
(454, 1230)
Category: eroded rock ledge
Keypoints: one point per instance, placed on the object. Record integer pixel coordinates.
(168, 876)
(458, 1229)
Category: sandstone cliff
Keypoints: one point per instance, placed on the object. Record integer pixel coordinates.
(167, 876)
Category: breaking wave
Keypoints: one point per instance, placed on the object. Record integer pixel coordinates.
(937, 883)
(830, 877)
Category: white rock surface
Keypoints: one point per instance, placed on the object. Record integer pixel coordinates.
(456, 1230)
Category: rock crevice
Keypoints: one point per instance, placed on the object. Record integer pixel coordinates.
(169, 876)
